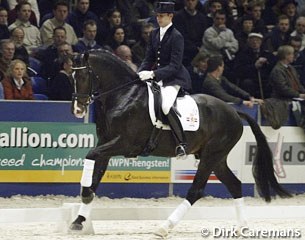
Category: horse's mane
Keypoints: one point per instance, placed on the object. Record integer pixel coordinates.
(114, 61)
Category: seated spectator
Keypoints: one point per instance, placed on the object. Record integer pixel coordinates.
(242, 34)
(60, 11)
(32, 35)
(125, 54)
(87, 42)
(17, 86)
(254, 9)
(289, 8)
(284, 78)
(278, 36)
(61, 87)
(299, 57)
(300, 30)
(116, 38)
(186, 17)
(219, 39)
(212, 6)
(13, 15)
(80, 15)
(4, 32)
(17, 36)
(253, 65)
(138, 50)
(112, 20)
(198, 72)
(218, 86)
(7, 51)
(47, 55)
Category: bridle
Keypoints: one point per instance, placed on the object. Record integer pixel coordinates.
(88, 96)
(91, 96)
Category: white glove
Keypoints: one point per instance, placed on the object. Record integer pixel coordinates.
(145, 75)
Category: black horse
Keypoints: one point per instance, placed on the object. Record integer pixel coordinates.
(124, 127)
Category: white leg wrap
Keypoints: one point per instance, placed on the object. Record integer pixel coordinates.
(240, 211)
(179, 213)
(86, 180)
(85, 210)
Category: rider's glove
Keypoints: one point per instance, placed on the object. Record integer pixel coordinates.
(145, 75)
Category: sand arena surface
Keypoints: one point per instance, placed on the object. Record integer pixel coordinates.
(141, 230)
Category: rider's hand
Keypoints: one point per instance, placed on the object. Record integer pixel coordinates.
(145, 75)
(248, 104)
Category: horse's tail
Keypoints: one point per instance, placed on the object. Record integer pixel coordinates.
(262, 169)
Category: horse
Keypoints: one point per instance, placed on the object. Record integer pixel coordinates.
(124, 127)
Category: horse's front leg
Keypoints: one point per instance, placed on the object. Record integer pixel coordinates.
(93, 171)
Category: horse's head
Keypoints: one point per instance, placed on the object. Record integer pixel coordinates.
(82, 81)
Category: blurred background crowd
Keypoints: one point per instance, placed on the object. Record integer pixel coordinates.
(241, 43)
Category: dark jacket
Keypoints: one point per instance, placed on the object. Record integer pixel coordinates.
(224, 90)
(281, 85)
(192, 28)
(61, 88)
(275, 39)
(165, 58)
(81, 47)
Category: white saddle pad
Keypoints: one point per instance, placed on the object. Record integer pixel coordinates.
(186, 106)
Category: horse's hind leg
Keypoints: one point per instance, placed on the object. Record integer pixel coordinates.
(233, 184)
(208, 159)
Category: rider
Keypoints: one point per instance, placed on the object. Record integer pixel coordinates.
(163, 62)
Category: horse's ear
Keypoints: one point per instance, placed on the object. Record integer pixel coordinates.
(86, 56)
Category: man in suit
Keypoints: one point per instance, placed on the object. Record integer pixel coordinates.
(163, 62)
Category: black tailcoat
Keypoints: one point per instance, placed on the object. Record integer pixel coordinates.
(165, 58)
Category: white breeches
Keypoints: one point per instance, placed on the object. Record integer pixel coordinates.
(169, 95)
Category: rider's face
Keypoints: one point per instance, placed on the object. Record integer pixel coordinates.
(164, 19)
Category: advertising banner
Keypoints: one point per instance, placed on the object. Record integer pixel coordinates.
(54, 152)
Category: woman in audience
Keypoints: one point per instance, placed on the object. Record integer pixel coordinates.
(117, 38)
(17, 85)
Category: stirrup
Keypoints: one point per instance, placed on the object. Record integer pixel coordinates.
(181, 151)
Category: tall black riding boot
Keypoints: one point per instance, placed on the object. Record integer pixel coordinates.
(178, 133)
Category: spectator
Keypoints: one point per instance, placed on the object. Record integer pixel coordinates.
(242, 34)
(278, 36)
(44, 7)
(17, 36)
(143, 9)
(213, 7)
(4, 32)
(138, 49)
(112, 20)
(48, 55)
(255, 10)
(12, 14)
(218, 38)
(252, 65)
(17, 85)
(289, 8)
(1, 91)
(80, 15)
(60, 11)
(63, 49)
(218, 86)
(299, 57)
(300, 30)
(32, 34)
(198, 72)
(117, 38)
(87, 42)
(61, 87)
(125, 54)
(284, 79)
(7, 50)
(186, 17)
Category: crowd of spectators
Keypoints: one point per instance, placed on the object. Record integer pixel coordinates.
(231, 47)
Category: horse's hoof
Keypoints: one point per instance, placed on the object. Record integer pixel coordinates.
(87, 196)
(76, 226)
(161, 232)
